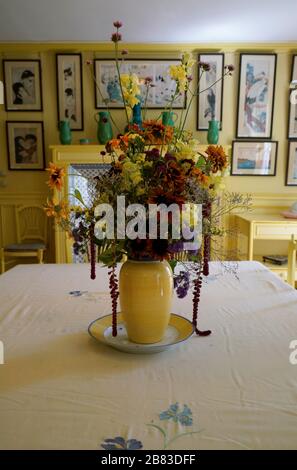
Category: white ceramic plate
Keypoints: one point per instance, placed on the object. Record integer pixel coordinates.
(178, 330)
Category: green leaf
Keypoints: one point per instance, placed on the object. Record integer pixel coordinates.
(172, 264)
(78, 196)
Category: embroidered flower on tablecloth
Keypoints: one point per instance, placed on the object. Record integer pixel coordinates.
(77, 293)
(184, 417)
(119, 443)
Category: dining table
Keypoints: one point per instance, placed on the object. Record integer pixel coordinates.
(60, 388)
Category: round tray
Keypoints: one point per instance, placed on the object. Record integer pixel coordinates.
(178, 330)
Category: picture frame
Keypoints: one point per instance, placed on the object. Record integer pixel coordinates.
(292, 126)
(291, 173)
(107, 87)
(22, 85)
(257, 158)
(25, 145)
(210, 102)
(255, 103)
(69, 89)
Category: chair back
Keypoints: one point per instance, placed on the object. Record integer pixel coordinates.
(292, 261)
(31, 224)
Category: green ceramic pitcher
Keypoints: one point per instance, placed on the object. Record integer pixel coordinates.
(213, 131)
(65, 132)
(104, 129)
(169, 118)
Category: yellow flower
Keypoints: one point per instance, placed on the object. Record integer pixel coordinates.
(132, 174)
(187, 150)
(178, 73)
(131, 89)
(181, 73)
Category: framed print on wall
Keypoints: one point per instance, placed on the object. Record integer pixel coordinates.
(159, 94)
(291, 177)
(25, 145)
(292, 133)
(23, 89)
(69, 90)
(210, 101)
(253, 158)
(256, 96)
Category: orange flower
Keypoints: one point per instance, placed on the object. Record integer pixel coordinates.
(156, 133)
(60, 210)
(56, 176)
(49, 208)
(201, 177)
(112, 144)
(217, 158)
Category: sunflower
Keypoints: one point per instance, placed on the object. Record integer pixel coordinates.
(56, 176)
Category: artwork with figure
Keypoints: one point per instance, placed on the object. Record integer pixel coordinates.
(159, 94)
(254, 158)
(291, 178)
(25, 145)
(23, 85)
(210, 97)
(256, 94)
(292, 134)
(69, 80)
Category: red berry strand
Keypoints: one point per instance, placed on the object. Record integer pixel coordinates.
(206, 212)
(196, 300)
(114, 294)
(92, 252)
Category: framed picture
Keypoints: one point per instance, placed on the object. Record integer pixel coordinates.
(159, 94)
(25, 144)
(254, 158)
(210, 101)
(292, 133)
(22, 79)
(256, 96)
(69, 90)
(291, 177)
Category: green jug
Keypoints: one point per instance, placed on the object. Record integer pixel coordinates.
(169, 118)
(104, 129)
(213, 131)
(65, 132)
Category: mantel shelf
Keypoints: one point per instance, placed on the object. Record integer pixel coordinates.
(67, 154)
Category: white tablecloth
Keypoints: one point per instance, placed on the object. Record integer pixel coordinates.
(60, 389)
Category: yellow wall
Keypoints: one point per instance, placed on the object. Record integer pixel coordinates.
(30, 186)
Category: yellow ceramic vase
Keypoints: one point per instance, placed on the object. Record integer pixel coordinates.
(145, 296)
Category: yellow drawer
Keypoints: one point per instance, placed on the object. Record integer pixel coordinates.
(274, 231)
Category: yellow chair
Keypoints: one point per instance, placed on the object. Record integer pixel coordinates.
(292, 261)
(31, 230)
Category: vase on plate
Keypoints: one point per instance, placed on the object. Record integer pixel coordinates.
(65, 132)
(146, 289)
(213, 131)
(104, 129)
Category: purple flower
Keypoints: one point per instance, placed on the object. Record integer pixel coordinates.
(182, 284)
(116, 37)
(152, 155)
(118, 24)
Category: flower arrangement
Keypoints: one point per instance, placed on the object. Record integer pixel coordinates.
(152, 164)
